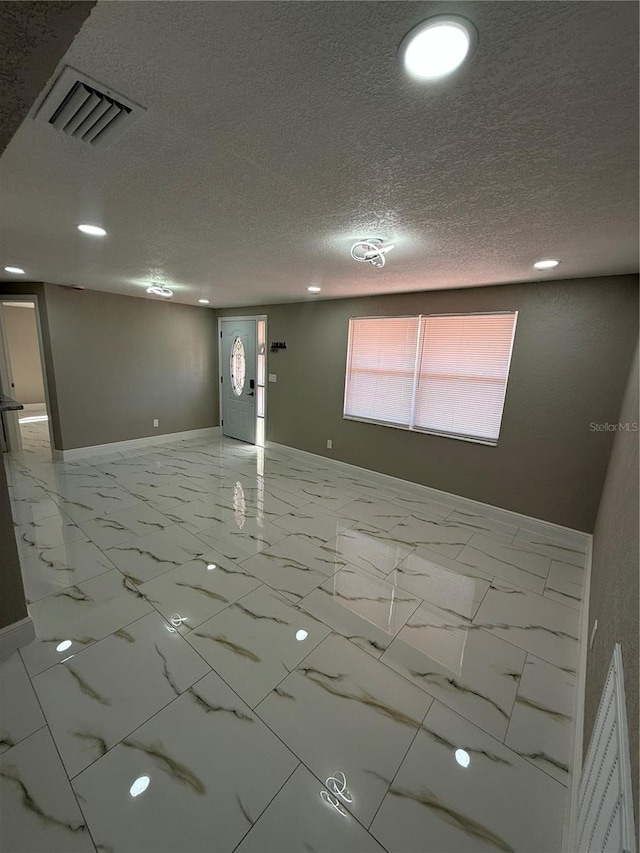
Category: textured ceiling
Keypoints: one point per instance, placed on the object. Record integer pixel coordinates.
(33, 37)
(277, 133)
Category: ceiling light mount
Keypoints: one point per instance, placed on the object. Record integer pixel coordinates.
(437, 47)
(160, 290)
(371, 251)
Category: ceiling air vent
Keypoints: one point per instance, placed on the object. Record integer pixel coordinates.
(87, 110)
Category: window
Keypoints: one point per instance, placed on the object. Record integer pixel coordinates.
(445, 374)
(237, 367)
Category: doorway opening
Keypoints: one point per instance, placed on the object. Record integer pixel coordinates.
(27, 430)
(243, 374)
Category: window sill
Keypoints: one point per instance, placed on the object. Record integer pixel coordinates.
(484, 441)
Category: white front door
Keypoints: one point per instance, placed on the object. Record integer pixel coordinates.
(238, 373)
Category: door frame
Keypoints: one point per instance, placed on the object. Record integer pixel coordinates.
(5, 369)
(239, 318)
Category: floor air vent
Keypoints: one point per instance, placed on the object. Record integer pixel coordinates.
(87, 110)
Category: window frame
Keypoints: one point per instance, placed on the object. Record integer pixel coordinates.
(458, 437)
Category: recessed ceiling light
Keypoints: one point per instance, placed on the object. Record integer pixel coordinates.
(437, 46)
(314, 289)
(548, 264)
(14, 270)
(94, 230)
(159, 290)
(203, 301)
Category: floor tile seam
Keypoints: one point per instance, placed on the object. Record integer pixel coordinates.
(40, 518)
(138, 726)
(530, 760)
(68, 568)
(344, 637)
(289, 672)
(370, 573)
(333, 632)
(254, 710)
(529, 548)
(38, 550)
(323, 786)
(500, 585)
(86, 648)
(6, 752)
(522, 649)
(560, 671)
(390, 785)
(15, 499)
(66, 518)
(255, 821)
(509, 565)
(309, 535)
(226, 607)
(301, 761)
(436, 698)
(135, 536)
(191, 559)
(290, 592)
(513, 703)
(427, 601)
(553, 542)
(62, 764)
(486, 592)
(62, 589)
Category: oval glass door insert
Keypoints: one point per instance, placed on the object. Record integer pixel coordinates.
(238, 367)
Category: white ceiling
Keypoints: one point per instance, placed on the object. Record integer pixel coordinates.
(276, 133)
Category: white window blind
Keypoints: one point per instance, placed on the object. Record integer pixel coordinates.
(381, 369)
(438, 373)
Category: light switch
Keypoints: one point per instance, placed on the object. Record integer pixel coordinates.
(273, 377)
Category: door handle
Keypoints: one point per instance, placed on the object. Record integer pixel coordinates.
(250, 393)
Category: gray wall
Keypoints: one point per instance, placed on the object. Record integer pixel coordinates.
(614, 577)
(24, 353)
(120, 361)
(572, 350)
(12, 602)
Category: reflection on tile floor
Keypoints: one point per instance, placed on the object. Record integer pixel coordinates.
(256, 650)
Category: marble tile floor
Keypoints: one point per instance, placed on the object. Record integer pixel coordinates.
(34, 434)
(259, 650)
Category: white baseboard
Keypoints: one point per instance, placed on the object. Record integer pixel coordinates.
(132, 444)
(565, 535)
(15, 636)
(573, 788)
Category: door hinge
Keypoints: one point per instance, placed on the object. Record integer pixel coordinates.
(222, 379)
(220, 334)
(222, 423)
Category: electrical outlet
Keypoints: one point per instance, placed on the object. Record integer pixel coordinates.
(329, 443)
(155, 422)
(273, 377)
